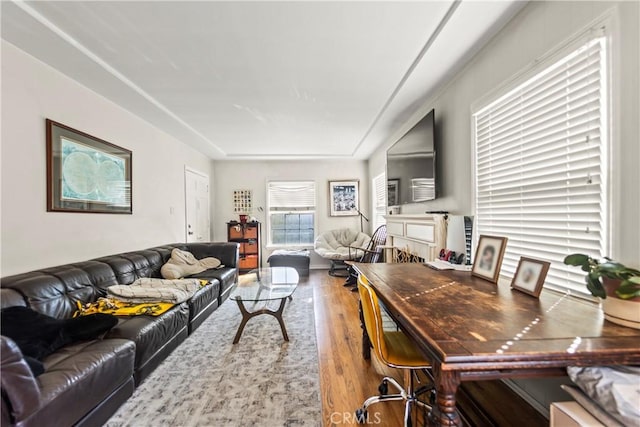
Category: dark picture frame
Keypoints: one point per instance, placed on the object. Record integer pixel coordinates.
(530, 275)
(344, 198)
(86, 174)
(393, 188)
(488, 257)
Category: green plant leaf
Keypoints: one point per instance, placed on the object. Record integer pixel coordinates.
(595, 286)
(613, 267)
(634, 279)
(577, 259)
(628, 289)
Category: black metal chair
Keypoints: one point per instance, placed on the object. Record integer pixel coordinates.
(371, 255)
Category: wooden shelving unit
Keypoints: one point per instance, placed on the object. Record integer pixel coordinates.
(248, 236)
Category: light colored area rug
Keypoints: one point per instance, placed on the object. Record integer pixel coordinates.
(262, 380)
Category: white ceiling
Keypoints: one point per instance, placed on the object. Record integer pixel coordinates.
(264, 79)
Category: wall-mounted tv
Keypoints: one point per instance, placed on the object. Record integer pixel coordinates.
(411, 165)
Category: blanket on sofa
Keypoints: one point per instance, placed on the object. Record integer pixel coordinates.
(183, 263)
(149, 289)
(121, 308)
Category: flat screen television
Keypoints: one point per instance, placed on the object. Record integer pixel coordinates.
(411, 165)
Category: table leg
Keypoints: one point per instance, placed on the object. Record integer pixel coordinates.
(278, 315)
(366, 343)
(445, 413)
(246, 315)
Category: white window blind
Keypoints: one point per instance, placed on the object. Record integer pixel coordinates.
(541, 165)
(290, 195)
(291, 207)
(379, 200)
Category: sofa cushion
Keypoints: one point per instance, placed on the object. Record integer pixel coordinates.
(54, 292)
(18, 385)
(79, 377)
(151, 334)
(225, 276)
(39, 335)
(101, 275)
(202, 303)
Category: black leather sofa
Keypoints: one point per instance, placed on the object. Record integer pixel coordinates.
(84, 383)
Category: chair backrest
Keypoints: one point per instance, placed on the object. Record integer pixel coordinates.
(379, 238)
(372, 318)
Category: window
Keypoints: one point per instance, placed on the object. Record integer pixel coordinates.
(541, 165)
(379, 200)
(291, 207)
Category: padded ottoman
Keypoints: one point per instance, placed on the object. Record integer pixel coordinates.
(296, 259)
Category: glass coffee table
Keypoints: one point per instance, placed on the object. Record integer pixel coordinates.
(256, 289)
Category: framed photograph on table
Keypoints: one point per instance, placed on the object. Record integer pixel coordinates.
(530, 275)
(343, 198)
(488, 257)
(86, 174)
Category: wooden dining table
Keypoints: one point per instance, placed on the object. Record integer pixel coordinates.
(471, 329)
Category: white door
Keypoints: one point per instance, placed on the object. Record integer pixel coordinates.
(197, 205)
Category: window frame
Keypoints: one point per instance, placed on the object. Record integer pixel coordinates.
(269, 212)
(603, 29)
(379, 210)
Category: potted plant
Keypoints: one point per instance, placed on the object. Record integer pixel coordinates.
(612, 279)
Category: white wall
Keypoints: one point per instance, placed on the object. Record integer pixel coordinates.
(536, 30)
(253, 175)
(34, 238)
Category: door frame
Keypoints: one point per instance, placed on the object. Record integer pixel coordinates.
(188, 169)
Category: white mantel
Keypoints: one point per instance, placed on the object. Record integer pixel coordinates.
(423, 234)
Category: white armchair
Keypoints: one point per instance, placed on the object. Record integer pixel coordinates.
(339, 246)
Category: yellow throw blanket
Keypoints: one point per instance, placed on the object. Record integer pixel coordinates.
(121, 308)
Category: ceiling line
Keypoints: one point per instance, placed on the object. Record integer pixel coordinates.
(412, 67)
(102, 63)
(286, 156)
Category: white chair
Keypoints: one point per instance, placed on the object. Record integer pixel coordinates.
(340, 245)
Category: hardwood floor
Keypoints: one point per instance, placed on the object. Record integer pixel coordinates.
(346, 379)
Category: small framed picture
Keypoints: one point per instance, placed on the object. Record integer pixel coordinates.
(488, 257)
(392, 192)
(343, 198)
(530, 276)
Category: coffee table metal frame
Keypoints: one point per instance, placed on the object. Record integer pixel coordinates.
(246, 314)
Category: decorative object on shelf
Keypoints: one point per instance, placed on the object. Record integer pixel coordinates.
(488, 257)
(85, 173)
(343, 198)
(530, 275)
(405, 255)
(243, 218)
(617, 285)
(242, 201)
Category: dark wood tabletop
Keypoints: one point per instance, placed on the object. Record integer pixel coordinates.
(472, 329)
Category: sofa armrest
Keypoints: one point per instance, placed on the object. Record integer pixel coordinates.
(20, 390)
(227, 252)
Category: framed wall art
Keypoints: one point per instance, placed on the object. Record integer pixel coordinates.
(392, 192)
(488, 257)
(343, 198)
(530, 275)
(85, 173)
(242, 201)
